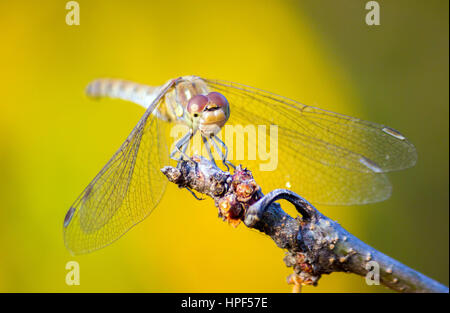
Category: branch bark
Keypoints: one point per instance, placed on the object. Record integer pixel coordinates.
(315, 244)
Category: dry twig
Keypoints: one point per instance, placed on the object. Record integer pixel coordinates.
(315, 244)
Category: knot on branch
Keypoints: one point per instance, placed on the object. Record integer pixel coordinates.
(232, 194)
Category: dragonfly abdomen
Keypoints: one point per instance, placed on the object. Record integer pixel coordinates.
(126, 90)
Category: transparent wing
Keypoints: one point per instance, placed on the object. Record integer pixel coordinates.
(125, 191)
(326, 157)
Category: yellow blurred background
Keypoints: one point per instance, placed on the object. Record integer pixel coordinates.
(53, 140)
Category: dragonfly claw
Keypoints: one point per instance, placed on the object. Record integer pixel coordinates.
(193, 193)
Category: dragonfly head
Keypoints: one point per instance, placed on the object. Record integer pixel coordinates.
(208, 113)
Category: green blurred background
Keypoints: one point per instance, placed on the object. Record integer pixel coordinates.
(53, 140)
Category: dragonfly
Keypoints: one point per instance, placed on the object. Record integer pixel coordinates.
(328, 158)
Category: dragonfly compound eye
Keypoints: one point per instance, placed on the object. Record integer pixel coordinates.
(217, 99)
(196, 104)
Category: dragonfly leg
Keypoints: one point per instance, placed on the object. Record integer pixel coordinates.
(181, 146)
(193, 193)
(208, 148)
(223, 156)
